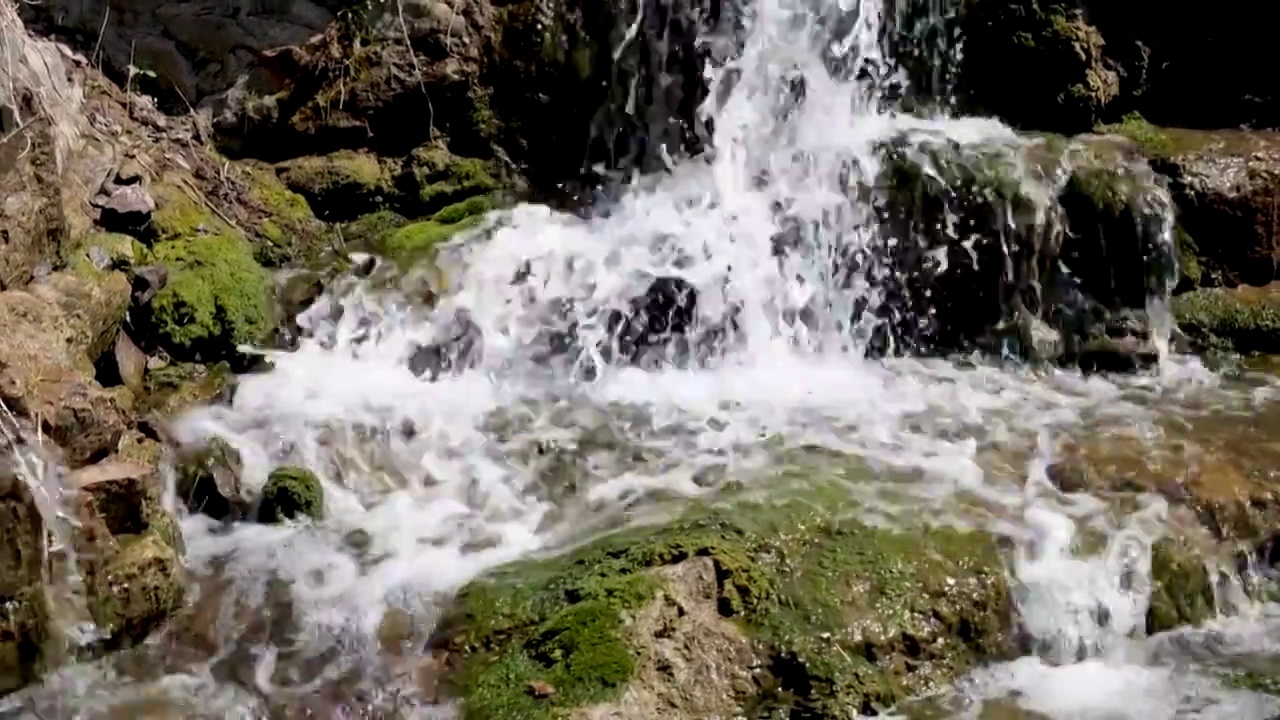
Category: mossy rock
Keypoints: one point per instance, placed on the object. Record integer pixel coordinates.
(179, 216)
(290, 493)
(434, 178)
(1181, 587)
(363, 232)
(1243, 320)
(285, 229)
(844, 618)
(341, 185)
(99, 252)
(217, 298)
(417, 242)
(174, 388)
(25, 637)
(208, 481)
(137, 587)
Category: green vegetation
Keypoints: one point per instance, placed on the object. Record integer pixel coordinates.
(291, 492)
(847, 617)
(217, 297)
(442, 178)
(1245, 320)
(1155, 143)
(1181, 588)
(418, 241)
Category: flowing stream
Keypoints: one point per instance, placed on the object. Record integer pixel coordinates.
(430, 484)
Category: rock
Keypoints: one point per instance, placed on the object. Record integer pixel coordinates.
(460, 348)
(48, 152)
(128, 365)
(127, 210)
(209, 482)
(990, 249)
(105, 251)
(437, 181)
(1049, 52)
(26, 630)
(54, 331)
(702, 618)
(129, 548)
(1243, 320)
(284, 228)
(666, 313)
(299, 291)
(1181, 587)
(217, 297)
(148, 281)
(1226, 184)
(291, 492)
(342, 185)
(177, 387)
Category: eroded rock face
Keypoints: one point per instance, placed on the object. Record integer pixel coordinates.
(55, 329)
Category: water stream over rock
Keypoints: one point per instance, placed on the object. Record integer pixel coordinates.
(822, 235)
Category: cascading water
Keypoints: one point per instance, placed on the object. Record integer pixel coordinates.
(430, 484)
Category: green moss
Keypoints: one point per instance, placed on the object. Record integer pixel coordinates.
(1245, 320)
(217, 297)
(170, 390)
(116, 250)
(417, 241)
(1189, 267)
(848, 617)
(136, 587)
(340, 185)
(1181, 588)
(289, 493)
(442, 178)
(285, 228)
(464, 209)
(1266, 683)
(179, 216)
(1155, 143)
(366, 229)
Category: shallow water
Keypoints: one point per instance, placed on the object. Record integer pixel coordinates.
(430, 484)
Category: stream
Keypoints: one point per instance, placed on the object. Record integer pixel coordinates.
(431, 484)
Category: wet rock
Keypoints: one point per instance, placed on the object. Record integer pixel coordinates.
(54, 330)
(1181, 587)
(1243, 320)
(123, 365)
(1225, 184)
(176, 387)
(209, 481)
(664, 314)
(295, 294)
(129, 548)
(26, 631)
(696, 619)
(289, 494)
(461, 349)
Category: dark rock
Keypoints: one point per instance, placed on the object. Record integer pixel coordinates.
(147, 281)
(209, 481)
(666, 312)
(461, 348)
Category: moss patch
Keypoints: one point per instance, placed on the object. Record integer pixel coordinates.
(345, 184)
(1155, 143)
(291, 492)
(105, 251)
(1181, 589)
(1245, 320)
(436, 178)
(176, 387)
(284, 227)
(364, 231)
(416, 242)
(845, 618)
(217, 297)
(180, 216)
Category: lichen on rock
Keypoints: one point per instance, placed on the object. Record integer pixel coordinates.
(839, 617)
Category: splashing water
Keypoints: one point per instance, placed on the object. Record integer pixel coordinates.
(444, 480)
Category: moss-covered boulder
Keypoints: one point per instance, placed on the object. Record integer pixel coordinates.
(1008, 242)
(217, 297)
(208, 481)
(291, 493)
(282, 225)
(433, 178)
(342, 185)
(1181, 586)
(129, 549)
(1243, 320)
(178, 386)
(802, 610)
(26, 632)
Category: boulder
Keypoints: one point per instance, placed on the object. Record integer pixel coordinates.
(291, 493)
(754, 609)
(128, 548)
(1244, 320)
(55, 329)
(26, 630)
(209, 481)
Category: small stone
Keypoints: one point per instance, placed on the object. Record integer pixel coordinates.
(131, 363)
(541, 690)
(1067, 476)
(128, 209)
(209, 481)
(147, 281)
